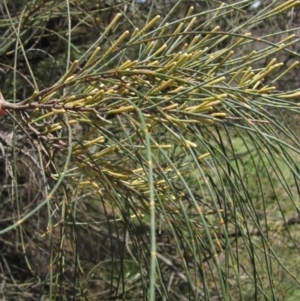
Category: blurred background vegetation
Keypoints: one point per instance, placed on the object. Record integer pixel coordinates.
(163, 165)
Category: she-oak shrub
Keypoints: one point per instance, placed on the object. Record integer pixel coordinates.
(166, 176)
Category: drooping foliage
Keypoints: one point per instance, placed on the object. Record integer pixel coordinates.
(162, 164)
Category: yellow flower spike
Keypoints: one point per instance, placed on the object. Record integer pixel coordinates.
(202, 110)
(148, 26)
(139, 183)
(210, 59)
(248, 73)
(183, 60)
(88, 100)
(207, 104)
(168, 66)
(161, 182)
(95, 185)
(94, 98)
(213, 103)
(272, 62)
(178, 29)
(219, 115)
(185, 46)
(256, 85)
(90, 88)
(132, 64)
(290, 37)
(138, 170)
(236, 75)
(265, 72)
(249, 56)
(215, 97)
(123, 91)
(220, 53)
(128, 64)
(248, 80)
(190, 143)
(69, 72)
(286, 71)
(106, 152)
(46, 98)
(115, 45)
(215, 81)
(162, 146)
(181, 122)
(154, 63)
(175, 57)
(194, 41)
(58, 111)
(159, 51)
(35, 111)
(136, 30)
(73, 121)
(162, 86)
(216, 29)
(161, 33)
(177, 90)
(149, 47)
(110, 92)
(112, 23)
(45, 116)
(53, 128)
(69, 99)
(286, 5)
(197, 53)
(33, 96)
(292, 95)
(191, 24)
(266, 89)
(170, 107)
(175, 120)
(190, 11)
(240, 40)
(225, 59)
(116, 175)
(219, 10)
(122, 110)
(207, 121)
(69, 79)
(76, 104)
(95, 53)
(99, 139)
(180, 58)
(83, 183)
(203, 156)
